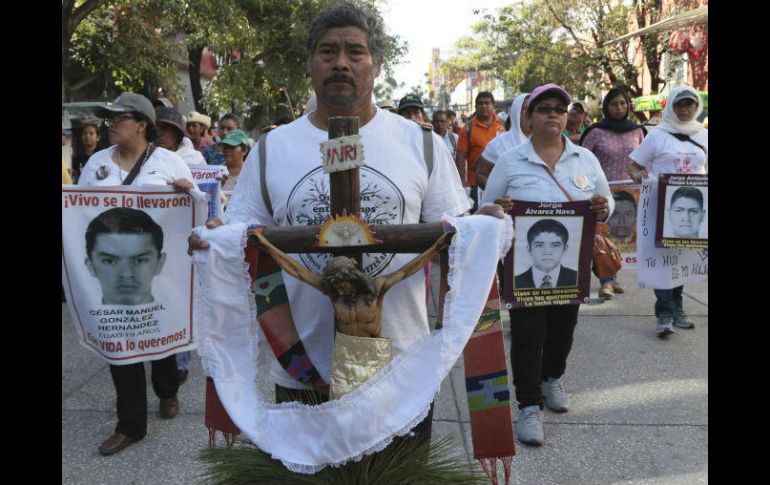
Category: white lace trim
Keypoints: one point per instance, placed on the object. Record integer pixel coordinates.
(205, 307)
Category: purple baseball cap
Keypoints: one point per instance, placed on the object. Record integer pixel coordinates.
(552, 89)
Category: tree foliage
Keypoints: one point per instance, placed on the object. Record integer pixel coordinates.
(563, 41)
(138, 45)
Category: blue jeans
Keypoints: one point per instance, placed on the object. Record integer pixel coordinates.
(608, 279)
(183, 360)
(669, 302)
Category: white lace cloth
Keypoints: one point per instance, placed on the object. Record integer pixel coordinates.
(309, 438)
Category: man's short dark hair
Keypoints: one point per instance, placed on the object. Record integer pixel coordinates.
(688, 192)
(350, 15)
(548, 225)
(622, 195)
(450, 113)
(122, 220)
(484, 94)
(437, 113)
(232, 116)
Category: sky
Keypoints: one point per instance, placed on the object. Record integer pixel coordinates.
(427, 24)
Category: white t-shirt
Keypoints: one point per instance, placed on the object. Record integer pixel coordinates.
(448, 137)
(395, 189)
(661, 152)
(189, 154)
(162, 166)
(501, 144)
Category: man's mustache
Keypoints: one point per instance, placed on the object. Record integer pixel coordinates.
(339, 78)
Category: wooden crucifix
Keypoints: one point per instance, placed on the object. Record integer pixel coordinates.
(356, 297)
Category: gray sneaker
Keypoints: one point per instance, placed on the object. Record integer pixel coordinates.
(681, 320)
(664, 327)
(529, 427)
(554, 396)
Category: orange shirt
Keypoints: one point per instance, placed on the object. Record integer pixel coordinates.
(480, 136)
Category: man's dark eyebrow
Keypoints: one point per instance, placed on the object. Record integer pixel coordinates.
(356, 45)
(103, 253)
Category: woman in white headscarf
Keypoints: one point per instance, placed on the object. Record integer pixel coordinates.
(679, 144)
(515, 136)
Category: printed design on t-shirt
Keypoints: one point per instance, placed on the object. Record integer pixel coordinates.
(684, 164)
(381, 203)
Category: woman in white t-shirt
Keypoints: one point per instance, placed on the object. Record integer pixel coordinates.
(679, 144)
(132, 130)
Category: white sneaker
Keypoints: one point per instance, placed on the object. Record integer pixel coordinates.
(554, 396)
(529, 427)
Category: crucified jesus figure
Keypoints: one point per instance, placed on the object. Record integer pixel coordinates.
(356, 297)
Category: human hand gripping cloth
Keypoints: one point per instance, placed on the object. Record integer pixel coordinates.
(308, 438)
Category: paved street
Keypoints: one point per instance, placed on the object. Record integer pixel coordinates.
(639, 410)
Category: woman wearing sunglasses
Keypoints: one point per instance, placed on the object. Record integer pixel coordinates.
(133, 159)
(541, 337)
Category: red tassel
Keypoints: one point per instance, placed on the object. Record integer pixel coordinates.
(489, 465)
(490, 468)
(507, 460)
(229, 439)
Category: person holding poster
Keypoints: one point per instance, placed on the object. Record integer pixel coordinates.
(133, 159)
(612, 140)
(527, 173)
(679, 145)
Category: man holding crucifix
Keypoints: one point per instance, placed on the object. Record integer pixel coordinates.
(346, 46)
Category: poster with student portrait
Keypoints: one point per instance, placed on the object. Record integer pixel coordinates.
(126, 273)
(550, 261)
(622, 221)
(663, 268)
(207, 178)
(683, 224)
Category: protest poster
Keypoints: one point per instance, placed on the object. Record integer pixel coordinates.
(622, 222)
(550, 261)
(206, 176)
(125, 270)
(663, 268)
(683, 224)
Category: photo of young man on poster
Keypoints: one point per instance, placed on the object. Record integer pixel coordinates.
(547, 242)
(623, 219)
(685, 214)
(124, 251)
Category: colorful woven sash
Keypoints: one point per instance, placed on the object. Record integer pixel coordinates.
(489, 397)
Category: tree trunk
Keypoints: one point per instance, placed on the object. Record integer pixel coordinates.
(195, 55)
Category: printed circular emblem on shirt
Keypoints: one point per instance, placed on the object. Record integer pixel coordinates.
(381, 203)
(580, 180)
(103, 172)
